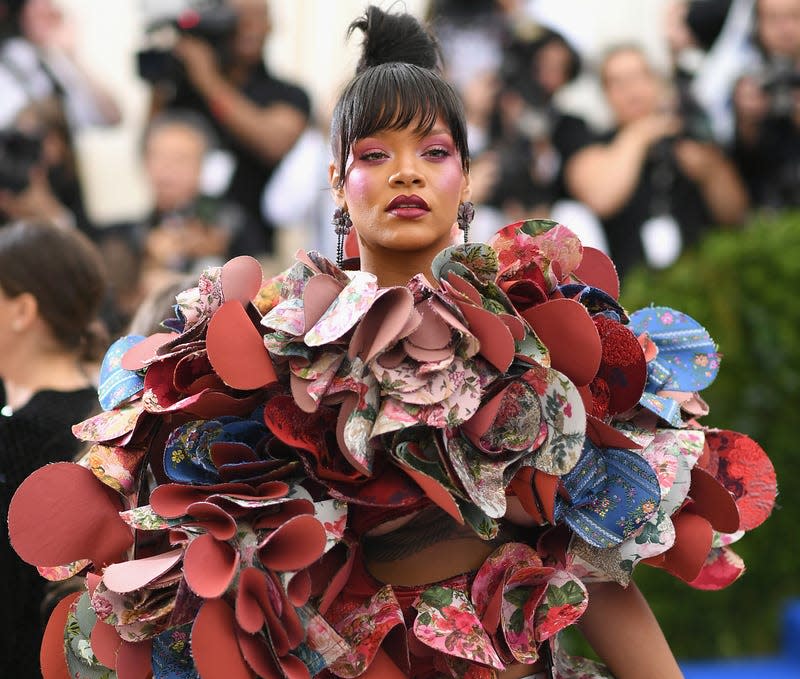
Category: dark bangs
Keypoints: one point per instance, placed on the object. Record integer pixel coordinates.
(392, 96)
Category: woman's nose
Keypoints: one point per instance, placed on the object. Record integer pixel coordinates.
(406, 173)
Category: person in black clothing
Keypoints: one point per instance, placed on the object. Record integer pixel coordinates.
(257, 116)
(767, 109)
(654, 184)
(51, 288)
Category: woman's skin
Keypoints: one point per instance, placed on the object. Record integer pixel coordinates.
(397, 242)
(402, 190)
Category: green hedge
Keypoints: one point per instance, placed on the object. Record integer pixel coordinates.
(744, 287)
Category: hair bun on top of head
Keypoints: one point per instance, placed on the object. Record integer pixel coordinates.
(394, 38)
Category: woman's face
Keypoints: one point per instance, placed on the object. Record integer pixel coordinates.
(402, 190)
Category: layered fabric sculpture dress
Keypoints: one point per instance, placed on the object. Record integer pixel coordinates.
(247, 454)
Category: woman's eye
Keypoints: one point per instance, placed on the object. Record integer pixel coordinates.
(373, 155)
(437, 152)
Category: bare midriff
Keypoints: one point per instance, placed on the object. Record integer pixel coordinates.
(441, 561)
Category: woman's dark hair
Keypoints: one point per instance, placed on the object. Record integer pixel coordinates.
(397, 83)
(62, 269)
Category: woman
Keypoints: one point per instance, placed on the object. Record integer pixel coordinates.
(51, 288)
(389, 474)
(401, 171)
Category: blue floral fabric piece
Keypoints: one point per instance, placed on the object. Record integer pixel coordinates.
(172, 654)
(117, 385)
(187, 454)
(613, 492)
(687, 356)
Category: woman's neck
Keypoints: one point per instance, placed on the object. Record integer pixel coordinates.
(57, 371)
(397, 269)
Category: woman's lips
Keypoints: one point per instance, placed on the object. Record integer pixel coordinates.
(408, 207)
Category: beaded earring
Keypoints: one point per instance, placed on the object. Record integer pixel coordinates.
(342, 225)
(466, 213)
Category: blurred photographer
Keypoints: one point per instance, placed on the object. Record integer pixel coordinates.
(46, 97)
(533, 138)
(767, 105)
(220, 73)
(656, 181)
(34, 159)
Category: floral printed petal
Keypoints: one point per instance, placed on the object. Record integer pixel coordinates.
(447, 622)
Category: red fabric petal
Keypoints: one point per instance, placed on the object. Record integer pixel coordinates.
(215, 648)
(567, 330)
(296, 544)
(57, 514)
(209, 566)
(133, 660)
(52, 660)
(236, 349)
(746, 471)
(597, 269)
(241, 279)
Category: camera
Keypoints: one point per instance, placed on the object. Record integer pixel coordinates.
(780, 80)
(19, 154)
(213, 21)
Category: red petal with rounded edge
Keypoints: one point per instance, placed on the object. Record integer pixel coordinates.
(606, 436)
(491, 616)
(383, 324)
(546, 486)
(215, 520)
(433, 332)
(215, 649)
(128, 576)
(299, 588)
(713, 502)
(230, 452)
(463, 286)
(52, 660)
(497, 343)
(746, 471)
(296, 544)
(438, 494)
(299, 387)
(257, 654)
(293, 667)
(134, 660)
(319, 294)
(477, 425)
(241, 279)
(139, 355)
(57, 514)
(597, 269)
(252, 600)
(209, 566)
(236, 349)
(522, 485)
(171, 500)
(568, 332)
(106, 642)
(623, 366)
(685, 559)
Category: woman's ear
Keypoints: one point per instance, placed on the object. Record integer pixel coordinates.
(466, 188)
(25, 310)
(334, 178)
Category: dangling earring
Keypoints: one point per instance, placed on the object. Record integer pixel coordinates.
(342, 225)
(466, 213)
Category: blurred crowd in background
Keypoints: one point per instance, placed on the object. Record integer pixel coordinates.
(235, 157)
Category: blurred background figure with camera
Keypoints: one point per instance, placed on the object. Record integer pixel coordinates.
(767, 106)
(214, 65)
(46, 97)
(657, 181)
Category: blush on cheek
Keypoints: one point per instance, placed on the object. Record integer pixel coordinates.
(358, 184)
(452, 176)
